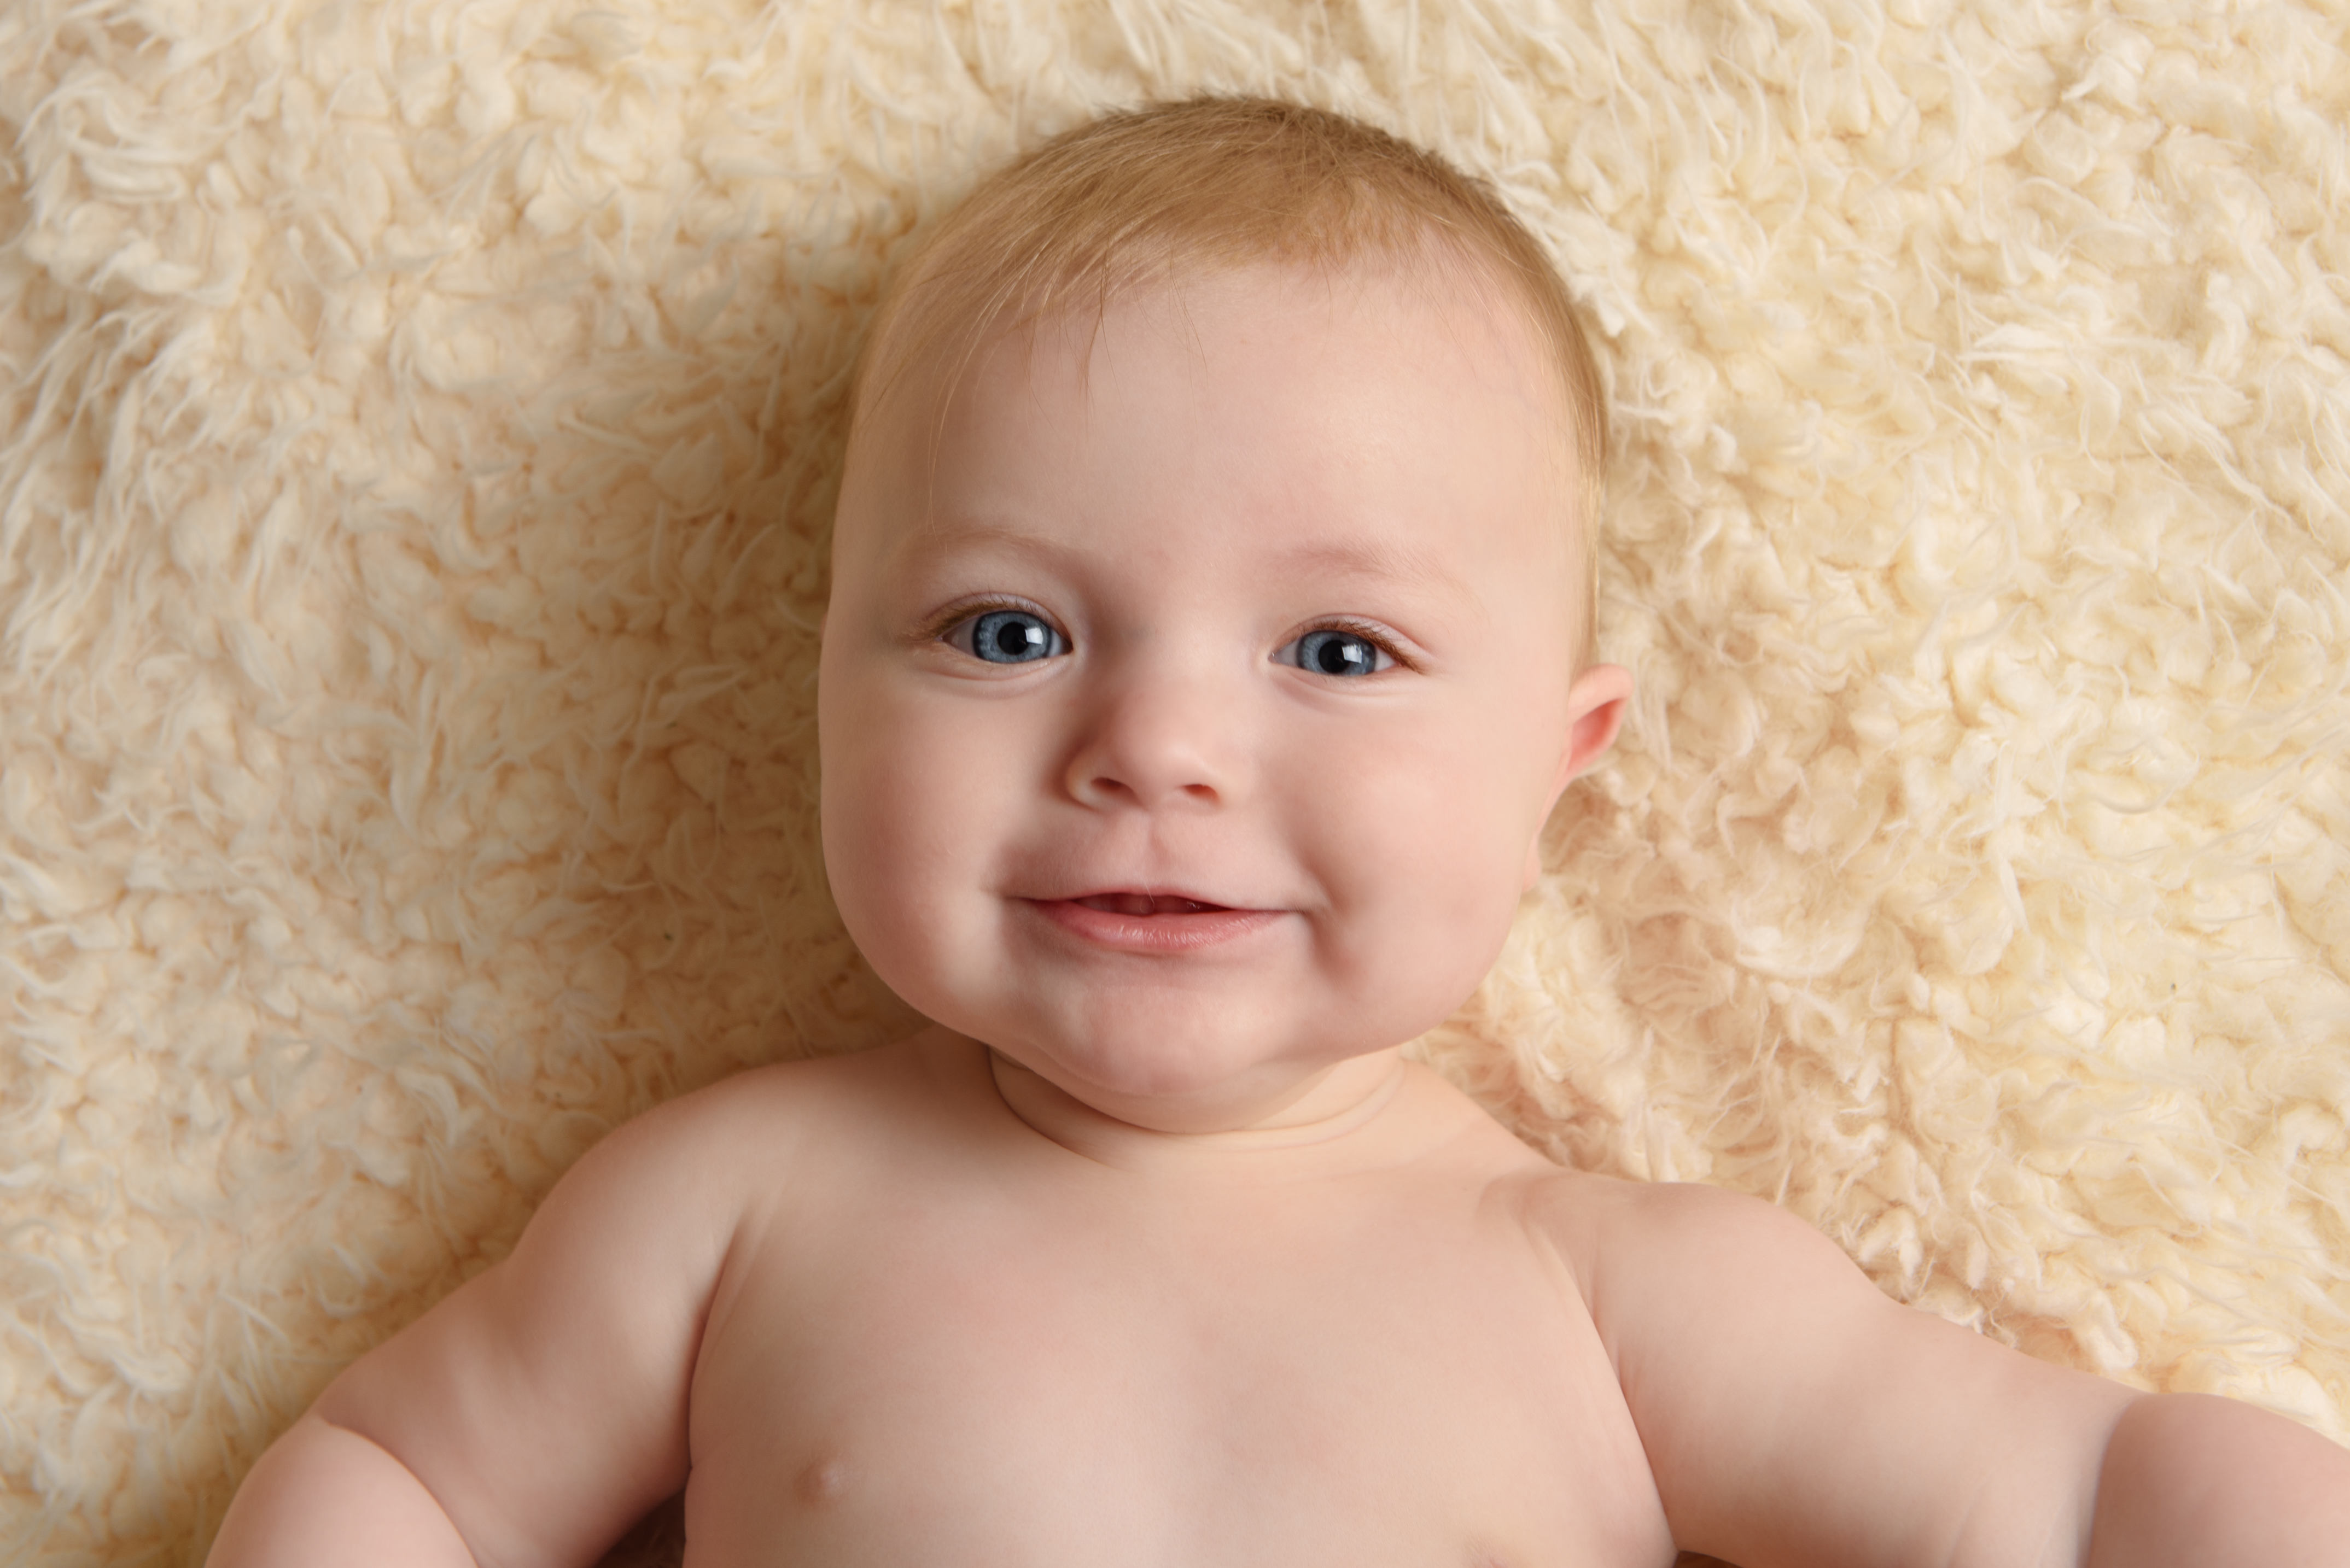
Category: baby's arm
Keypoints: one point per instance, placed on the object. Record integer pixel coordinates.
(533, 1414)
(2190, 1478)
(1792, 1414)
(323, 1494)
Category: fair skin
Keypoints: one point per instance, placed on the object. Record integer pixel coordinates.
(1154, 1249)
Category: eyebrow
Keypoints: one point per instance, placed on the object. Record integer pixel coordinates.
(973, 533)
(937, 537)
(1361, 558)
(1379, 561)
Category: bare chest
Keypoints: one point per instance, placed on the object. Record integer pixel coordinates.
(956, 1378)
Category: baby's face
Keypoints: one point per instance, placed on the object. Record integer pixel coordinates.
(1194, 691)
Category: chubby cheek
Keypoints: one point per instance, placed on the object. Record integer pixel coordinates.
(906, 821)
(1422, 859)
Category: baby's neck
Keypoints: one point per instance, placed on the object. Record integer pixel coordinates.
(1363, 1112)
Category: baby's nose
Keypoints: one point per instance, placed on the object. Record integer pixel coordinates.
(1158, 741)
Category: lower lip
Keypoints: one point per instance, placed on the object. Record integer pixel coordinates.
(1154, 934)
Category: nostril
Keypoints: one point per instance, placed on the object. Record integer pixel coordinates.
(1139, 756)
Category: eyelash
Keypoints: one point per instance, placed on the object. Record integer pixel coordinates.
(936, 629)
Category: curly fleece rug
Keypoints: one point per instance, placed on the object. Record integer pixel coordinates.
(418, 427)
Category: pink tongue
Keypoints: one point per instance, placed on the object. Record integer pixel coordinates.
(1142, 904)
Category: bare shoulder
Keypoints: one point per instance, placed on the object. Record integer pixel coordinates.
(1793, 1413)
(681, 1170)
(805, 1112)
(1626, 1240)
(543, 1404)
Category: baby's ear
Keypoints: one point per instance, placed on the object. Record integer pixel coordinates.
(1595, 713)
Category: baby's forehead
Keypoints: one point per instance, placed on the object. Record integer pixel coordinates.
(925, 385)
(1434, 277)
(1290, 380)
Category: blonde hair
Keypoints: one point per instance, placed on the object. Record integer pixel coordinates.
(1148, 195)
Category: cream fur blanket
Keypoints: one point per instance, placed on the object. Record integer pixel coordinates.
(418, 426)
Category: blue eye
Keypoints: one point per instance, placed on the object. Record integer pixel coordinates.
(1331, 652)
(1008, 636)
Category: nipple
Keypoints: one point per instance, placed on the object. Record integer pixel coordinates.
(822, 1483)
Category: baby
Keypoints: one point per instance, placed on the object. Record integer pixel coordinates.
(1208, 642)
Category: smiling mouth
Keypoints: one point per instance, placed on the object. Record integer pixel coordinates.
(1146, 904)
(1167, 924)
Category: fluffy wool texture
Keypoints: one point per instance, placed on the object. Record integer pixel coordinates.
(419, 426)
